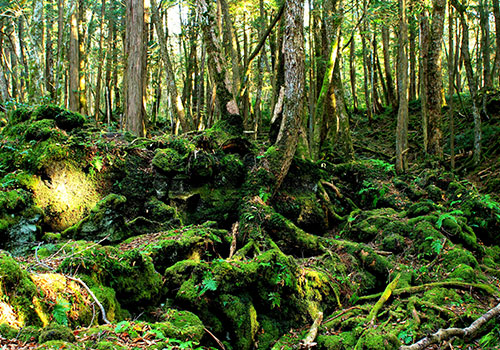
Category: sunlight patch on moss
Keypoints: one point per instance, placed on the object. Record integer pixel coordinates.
(8, 315)
(66, 196)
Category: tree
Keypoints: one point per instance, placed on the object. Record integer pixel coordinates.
(402, 125)
(134, 118)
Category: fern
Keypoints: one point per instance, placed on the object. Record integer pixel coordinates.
(450, 215)
(62, 306)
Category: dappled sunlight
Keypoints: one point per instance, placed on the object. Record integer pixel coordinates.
(7, 315)
(66, 196)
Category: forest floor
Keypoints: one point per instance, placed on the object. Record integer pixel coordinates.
(177, 242)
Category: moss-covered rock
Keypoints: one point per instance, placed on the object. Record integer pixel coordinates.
(106, 221)
(457, 256)
(376, 339)
(463, 273)
(342, 341)
(170, 161)
(182, 325)
(56, 332)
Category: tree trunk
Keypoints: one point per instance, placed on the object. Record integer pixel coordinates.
(413, 59)
(402, 125)
(74, 61)
(352, 73)
(484, 14)
(461, 9)
(230, 115)
(293, 54)
(97, 105)
(423, 73)
(134, 117)
(60, 49)
(49, 56)
(175, 98)
(82, 84)
(496, 65)
(387, 65)
(452, 68)
(434, 80)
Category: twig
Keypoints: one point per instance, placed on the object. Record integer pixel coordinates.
(215, 338)
(445, 334)
(234, 233)
(342, 313)
(104, 318)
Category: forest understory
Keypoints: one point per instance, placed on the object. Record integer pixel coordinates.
(178, 242)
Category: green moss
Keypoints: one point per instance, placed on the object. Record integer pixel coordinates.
(421, 208)
(19, 115)
(160, 211)
(463, 273)
(107, 297)
(183, 325)
(169, 161)
(394, 243)
(106, 220)
(342, 341)
(60, 344)
(434, 193)
(41, 130)
(8, 332)
(16, 284)
(131, 273)
(232, 170)
(242, 317)
(425, 236)
(270, 331)
(458, 256)
(376, 339)
(107, 345)
(56, 332)
(29, 334)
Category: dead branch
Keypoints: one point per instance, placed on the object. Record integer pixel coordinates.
(445, 334)
(104, 318)
(308, 341)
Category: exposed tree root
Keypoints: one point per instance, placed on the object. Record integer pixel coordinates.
(383, 298)
(424, 287)
(103, 312)
(308, 341)
(445, 334)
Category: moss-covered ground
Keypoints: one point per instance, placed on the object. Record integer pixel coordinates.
(181, 242)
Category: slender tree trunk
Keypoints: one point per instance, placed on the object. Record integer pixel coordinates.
(413, 57)
(22, 58)
(496, 65)
(74, 61)
(352, 73)
(452, 68)
(49, 56)
(424, 58)
(134, 117)
(387, 65)
(434, 80)
(461, 9)
(82, 84)
(60, 50)
(175, 98)
(230, 38)
(484, 14)
(366, 75)
(97, 105)
(402, 125)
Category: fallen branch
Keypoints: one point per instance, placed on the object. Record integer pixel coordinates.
(308, 341)
(103, 312)
(383, 298)
(215, 338)
(445, 334)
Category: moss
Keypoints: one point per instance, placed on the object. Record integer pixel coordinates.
(8, 332)
(342, 341)
(160, 211)
(231, 171)
(421, 208)
(105, 221)
(458, 256)
(29, 334)
(19, 115)
(16, 284)
(202, 166)
(457, 226)
(242, 317)
(270, 331)
(425, 236)
(169, 161)
(434, 193)
(131, 274)
(60, 344)
(182, 325)
(463, 273)
(304, 210)
(107, 345)
(107, 298)
(376, 339)
(41, 130)
(394, 243)
(56, 332)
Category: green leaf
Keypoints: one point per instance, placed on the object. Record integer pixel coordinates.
(59, 312)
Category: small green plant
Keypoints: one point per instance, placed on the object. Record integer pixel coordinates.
(406, 336)
(208, 283)
(264, 195)
(436, 244)
(62, 306)
(450, 215)
(377, 191)
(490, 340)
(275, 299)
(122, 327)
(379, 163)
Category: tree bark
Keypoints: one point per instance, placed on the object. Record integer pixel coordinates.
(49, 56)
(175, 98)
(434, 80)
(230, 115)
(461, 9)
(413, 59)
(352, 73)
(97, 104)
(74, 61)
(82, 84)
(402, 125)
(496, 65)
(484, 14)
(293, 54)
(387, 65)
(134, 117)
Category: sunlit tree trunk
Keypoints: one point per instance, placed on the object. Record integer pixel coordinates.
(461, 9)
(402, 124)
(74, 61)
(452, 68)
(49, 55)
(60, 50)
(424, 53)
(352, 73)
(134, 117)
(175, 98)
(387, 65)
(485, 44)
(413, 57)
(230, 115)
(82, 84)
(97, 104)
(496, 65)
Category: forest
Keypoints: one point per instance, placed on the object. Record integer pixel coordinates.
(238, 175)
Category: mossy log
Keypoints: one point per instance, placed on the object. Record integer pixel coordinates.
(383, 298)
